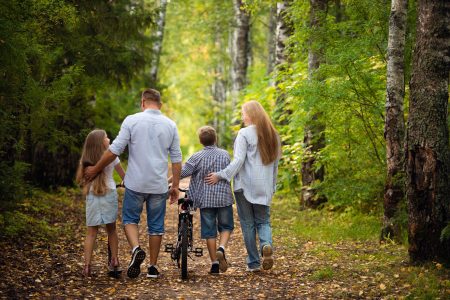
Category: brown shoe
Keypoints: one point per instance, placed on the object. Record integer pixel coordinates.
(223, 265)
(267, 261)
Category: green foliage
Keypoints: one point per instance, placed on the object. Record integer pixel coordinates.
(56, 57)
(33, 218)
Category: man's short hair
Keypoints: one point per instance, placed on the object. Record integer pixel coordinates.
(207, 135)
(151, 95)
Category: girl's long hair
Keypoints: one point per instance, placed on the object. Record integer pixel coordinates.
(268, 139)
(93, 150)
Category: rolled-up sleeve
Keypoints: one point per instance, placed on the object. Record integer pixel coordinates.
(240, 153)
(174, 149)
(122, 139)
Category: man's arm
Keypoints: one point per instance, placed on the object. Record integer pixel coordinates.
(107, 158)
(176, 172)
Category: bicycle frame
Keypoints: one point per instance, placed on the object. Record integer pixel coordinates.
(185, 238)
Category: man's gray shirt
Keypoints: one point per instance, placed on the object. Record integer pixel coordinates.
(151, 137)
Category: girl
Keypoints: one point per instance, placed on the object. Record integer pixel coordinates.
(254, 168)
(101, 199)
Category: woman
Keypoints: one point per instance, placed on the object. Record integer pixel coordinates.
(254, 168)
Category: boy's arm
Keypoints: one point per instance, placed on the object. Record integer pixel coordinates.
(189, 167)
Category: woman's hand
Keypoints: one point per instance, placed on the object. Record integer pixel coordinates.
(212, 178)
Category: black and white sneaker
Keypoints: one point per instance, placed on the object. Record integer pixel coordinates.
(134, 268)
(223, 265)
(152, 272)
(214, 269)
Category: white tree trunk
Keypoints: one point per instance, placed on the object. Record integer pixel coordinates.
(394, 121)
(240, 50)
(157, 44)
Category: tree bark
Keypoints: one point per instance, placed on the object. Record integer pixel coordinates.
(284, 29)
(394, 127)
(427, 141)
(157, 43)
(240, 50)
(271, 39)
(314, 138)
(219, 90)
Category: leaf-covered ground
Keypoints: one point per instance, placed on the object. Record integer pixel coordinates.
(304, 269)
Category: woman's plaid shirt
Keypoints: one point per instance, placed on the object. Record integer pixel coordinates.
(209, 160)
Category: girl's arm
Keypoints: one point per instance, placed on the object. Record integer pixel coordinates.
(120, 170)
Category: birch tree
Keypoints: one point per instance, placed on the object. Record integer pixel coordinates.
(427, 141)
(157, 43)
(394, 121)
(314, 137)
(240, 49)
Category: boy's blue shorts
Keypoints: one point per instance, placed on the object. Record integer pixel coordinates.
(215, 219)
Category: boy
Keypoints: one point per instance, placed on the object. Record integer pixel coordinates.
(215, 201)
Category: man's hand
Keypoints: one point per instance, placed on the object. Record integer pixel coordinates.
(90, 173)
(212, 178)
(174, 193)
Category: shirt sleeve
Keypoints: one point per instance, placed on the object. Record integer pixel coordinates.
(240, 153)
(122, 139)
(189, 167)
(174, 149)
(116, 161)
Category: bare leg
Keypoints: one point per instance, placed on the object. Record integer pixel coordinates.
(89, 243)
(113, 243)
(132, 234)
(154, 243)
(211, 244)
(224, 237)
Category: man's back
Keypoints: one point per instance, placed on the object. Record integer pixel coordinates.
(150, 137)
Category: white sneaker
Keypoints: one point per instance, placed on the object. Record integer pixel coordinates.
(257, 269)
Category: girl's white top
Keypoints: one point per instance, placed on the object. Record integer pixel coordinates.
(256, 180)
(109, 169)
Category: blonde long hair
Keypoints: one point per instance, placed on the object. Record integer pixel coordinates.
(93, 150)
(268, 140)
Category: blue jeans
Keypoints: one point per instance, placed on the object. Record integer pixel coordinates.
(216, 218)
(133, 203)
(254, 218)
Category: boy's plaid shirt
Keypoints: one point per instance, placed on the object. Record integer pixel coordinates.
(209, 160)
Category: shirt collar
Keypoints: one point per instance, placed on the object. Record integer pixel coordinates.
(210, 147)
(153, 111)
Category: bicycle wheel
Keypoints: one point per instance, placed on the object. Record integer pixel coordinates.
(184, 249)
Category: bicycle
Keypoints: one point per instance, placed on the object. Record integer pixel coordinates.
(185, 238)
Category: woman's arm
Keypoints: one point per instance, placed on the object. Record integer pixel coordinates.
(240, 153)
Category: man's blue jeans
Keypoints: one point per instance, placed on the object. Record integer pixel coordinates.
(254, 218)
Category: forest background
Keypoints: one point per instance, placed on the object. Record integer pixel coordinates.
(320, 69)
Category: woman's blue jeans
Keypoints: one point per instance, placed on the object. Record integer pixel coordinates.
(254, 218)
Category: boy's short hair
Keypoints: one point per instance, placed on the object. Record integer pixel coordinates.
(151, 95)
(207, 135)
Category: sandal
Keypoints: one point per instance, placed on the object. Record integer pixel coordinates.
(87, 272)
(114, 269)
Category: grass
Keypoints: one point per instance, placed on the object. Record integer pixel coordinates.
(35, 217)
(323, 225)
(345, 246)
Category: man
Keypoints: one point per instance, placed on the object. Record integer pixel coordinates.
(150, 137)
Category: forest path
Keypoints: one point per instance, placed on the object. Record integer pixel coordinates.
(302, 269)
